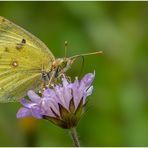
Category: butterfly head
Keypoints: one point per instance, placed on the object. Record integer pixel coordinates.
(61, 65)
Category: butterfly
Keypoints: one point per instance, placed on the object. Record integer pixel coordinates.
(26, 62)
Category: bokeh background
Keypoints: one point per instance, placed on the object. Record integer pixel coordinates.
(118, 109)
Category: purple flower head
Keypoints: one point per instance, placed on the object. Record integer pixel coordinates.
(63, 104)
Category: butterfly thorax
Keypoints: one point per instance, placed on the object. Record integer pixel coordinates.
(58, 68)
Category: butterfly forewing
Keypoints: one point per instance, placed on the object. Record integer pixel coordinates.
(22, 58)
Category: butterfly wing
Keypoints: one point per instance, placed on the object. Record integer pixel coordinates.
(22, 58)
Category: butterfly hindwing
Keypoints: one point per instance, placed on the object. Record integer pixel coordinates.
(14, 86)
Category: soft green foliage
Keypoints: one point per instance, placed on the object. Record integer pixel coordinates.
(118, 109)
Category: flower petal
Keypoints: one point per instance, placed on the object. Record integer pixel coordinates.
(67, 95)
(46, 92)
(23, 112)
(47, 104)
(64, 81)
(49, 93)
(36, 112)
(33, 96)
(26, 103)
(87, 80)
(77, 94)
(60, 95)
(89, 91)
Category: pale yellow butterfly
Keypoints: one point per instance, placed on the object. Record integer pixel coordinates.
(26, 62)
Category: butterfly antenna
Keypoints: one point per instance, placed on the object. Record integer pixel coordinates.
(73, 58)
(66, 46)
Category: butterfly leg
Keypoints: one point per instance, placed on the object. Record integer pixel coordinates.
(42, 87)
(51, 79)
(63, 74)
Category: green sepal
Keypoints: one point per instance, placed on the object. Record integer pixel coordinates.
(56, 121)
(79, 111)
(63, 111)
(72, 106)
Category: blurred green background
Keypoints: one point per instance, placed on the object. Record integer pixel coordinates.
(118, 109)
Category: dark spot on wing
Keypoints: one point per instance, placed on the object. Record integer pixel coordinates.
(23, 41)
(3, 20)
(6, 49)
(19, 46)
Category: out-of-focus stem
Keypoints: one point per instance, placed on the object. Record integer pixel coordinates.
(74, 137)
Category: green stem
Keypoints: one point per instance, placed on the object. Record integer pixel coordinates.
(74, 137)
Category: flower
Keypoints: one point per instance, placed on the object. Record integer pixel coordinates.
(63, 104)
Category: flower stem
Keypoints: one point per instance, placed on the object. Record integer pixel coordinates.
(74, 137)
